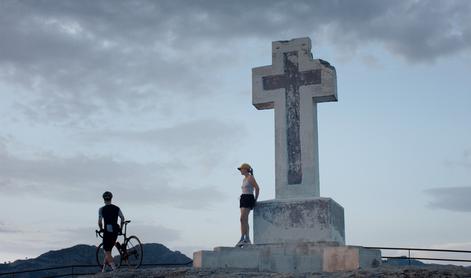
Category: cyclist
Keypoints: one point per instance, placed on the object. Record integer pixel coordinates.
(247, 201)
(109, 214)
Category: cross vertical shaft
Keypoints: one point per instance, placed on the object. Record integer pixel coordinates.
(295, 172)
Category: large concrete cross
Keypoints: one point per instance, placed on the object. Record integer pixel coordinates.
(293, 85)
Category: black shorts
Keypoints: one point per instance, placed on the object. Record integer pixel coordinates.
(247, 201)
(109, 239)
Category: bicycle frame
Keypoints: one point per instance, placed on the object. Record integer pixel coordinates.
(125, 224)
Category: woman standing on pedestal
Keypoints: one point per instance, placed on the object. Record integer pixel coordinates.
(247, 201)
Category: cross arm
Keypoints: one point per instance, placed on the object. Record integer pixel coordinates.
(261, 98)
(328, 91)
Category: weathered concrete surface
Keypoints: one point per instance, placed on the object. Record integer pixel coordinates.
(299, 220)
(293, 85)
(383, 271)
(289, 258)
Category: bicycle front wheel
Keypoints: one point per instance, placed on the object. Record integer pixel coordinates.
(134, 252)
(100, 256)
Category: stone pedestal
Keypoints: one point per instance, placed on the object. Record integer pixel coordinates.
(289, 258)
(294, 236)
(299, 220)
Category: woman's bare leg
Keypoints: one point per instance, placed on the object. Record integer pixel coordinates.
(244, 221)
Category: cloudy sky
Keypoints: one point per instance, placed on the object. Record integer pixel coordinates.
(152, 101)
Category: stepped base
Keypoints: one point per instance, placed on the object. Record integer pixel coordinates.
(289, 257)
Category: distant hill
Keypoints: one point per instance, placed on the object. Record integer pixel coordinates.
(155, 253)
(82, 254)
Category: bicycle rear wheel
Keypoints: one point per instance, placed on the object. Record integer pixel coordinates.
(134, 252)
(100, 256)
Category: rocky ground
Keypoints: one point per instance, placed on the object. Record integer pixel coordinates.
(383, 271)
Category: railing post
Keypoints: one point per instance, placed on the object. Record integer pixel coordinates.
(409, 257)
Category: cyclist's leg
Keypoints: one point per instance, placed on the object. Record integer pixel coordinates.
(109, 240)
(107, 260)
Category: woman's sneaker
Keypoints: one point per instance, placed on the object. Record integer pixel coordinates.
(240, 243)
(246, 242)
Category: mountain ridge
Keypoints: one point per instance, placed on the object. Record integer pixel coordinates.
(83, 254)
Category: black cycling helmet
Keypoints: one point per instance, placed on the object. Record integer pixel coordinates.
(107, 196)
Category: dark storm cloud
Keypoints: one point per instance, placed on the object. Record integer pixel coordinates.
(450, 198)
(77, 57)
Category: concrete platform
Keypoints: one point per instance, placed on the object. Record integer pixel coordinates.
(289, 257)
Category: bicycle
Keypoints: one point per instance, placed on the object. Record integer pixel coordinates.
(129, 252)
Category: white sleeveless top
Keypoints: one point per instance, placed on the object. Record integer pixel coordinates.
(247, 187)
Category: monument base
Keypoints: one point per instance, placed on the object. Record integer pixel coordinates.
(289, 257)
(298, 220)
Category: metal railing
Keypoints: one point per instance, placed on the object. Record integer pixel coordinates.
(74, 270)
(410, 258)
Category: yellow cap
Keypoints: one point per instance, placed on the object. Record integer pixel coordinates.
(244, 166)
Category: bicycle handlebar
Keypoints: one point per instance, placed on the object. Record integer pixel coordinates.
(99, 233)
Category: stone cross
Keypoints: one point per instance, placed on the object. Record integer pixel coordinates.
(293, 85)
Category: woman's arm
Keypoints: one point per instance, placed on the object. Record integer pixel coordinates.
(255, 186)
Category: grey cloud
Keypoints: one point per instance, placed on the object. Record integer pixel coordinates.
(6, 229)
(79, 58)
(202, 141)
(79, 179)
(412, 28)
(463, 161)
(450, 198)
(418, 31)
(76, 170)
(183, 137)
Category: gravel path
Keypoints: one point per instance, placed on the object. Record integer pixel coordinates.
(383, 271)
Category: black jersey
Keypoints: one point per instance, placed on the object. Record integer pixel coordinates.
(110, 215)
